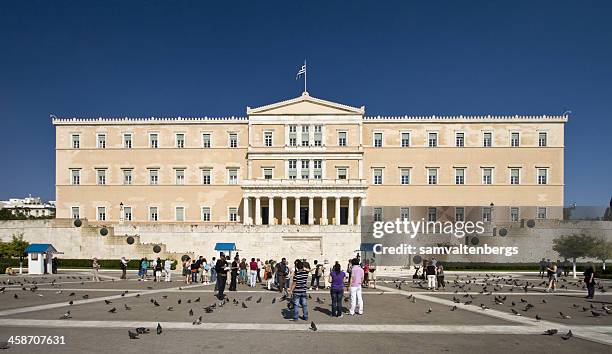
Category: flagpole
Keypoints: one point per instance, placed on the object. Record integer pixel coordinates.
(305, 71)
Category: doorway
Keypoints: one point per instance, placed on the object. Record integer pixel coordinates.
(265, 220)
(343, 215)
(304, 215)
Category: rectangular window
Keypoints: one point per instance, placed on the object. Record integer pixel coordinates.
(317, 169)
(127, 176)
(459, 214)
(179, 213)
(514, 214)
(206, 176)
(542, 176)
(179, 176)
(432, 176)
(378, 176)
(267, 173)
(405, 213)
(101, 214)
(205, 213)
(153, 216)
(233, 214)
(405, 137)
(342, 172)
(378, 214)
(75, 212)
(305, 171)
(378, 139)
(232, 176)
(405, 176)
(432, 139)
(101, 176)
(341, 138)
(515, 176)
(541, 212)
(432, 214)
(153, 176)
(180, 140)
(206, 140)
(487, 176)
(459, 139)
(487, 139)
(127, 141)
(292, 169)
(76, 141)
(153, 140)
(542, 139)
(101, 141)
(486, 214)
(233, 140)
(127, 213)
(515, 139)
(75, 177)
(292, 135)
(318, 135)
(459, 176)
(305, 135)
(268, 139)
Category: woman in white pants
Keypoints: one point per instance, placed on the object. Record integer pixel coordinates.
(252, 273)
(355, 288)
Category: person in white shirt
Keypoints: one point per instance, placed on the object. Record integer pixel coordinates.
(167, 269)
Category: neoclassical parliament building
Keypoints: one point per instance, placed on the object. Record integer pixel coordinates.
(308, 161)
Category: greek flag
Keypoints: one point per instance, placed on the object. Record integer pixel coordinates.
(301, 72)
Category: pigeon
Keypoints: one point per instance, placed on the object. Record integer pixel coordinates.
(70, 302)
(313, 326)
(244, 306)
(515, 312)
(544, 301)
(132, 335)
(159, 328)
(149, 287)
(155, 303)
(85, 296)
(567, 335)
(197, 300)
(170, 308)
(108, 302)
(248, 298)
(198, 321)
(179, 301)
(113, 310)
(15, 296)
(142, 330)
(538, 317)
(71, 294)
(127, 308)
(453, 308)
(550, 332)
(188, 301)
(190, 312)
(259, 300)
(566, 317)
(274, 300)
(595, 313)
(66, 316)
(429, 310)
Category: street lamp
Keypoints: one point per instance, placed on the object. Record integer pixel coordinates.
(121, 213)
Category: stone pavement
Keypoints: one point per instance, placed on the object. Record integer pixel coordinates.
(398, 316)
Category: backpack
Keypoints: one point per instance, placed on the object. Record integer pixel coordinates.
(121, 265)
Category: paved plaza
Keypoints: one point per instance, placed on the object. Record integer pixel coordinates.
(473, 314)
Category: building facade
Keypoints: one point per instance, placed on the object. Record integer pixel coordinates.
(29, 207)
(307, 161)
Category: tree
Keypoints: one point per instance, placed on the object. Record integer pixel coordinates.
(15, 247)
(602, 251)
(574, 246)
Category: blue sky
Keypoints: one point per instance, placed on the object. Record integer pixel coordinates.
(192, 58)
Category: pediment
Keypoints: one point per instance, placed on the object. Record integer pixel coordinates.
(305, 105)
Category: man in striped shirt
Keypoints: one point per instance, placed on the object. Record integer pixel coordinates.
(298, 290)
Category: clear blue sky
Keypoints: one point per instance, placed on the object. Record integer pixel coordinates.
(192, 58)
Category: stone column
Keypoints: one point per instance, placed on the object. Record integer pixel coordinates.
(351, 215)
(310, 210)
(337, 222)
(284, 210)
(245, 211)
(324, 211)
(257, 211)
(271, 210)
(297, 211)
(360, 211)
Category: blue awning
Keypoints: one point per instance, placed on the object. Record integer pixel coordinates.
(222, 246)
(367, 247)
(40, 248)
